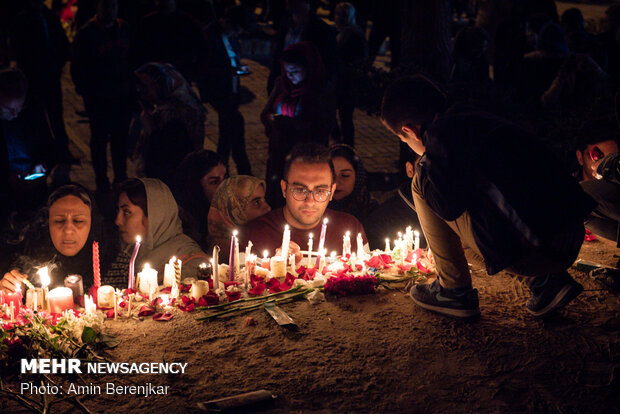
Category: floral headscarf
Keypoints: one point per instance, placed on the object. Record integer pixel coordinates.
(227, 209)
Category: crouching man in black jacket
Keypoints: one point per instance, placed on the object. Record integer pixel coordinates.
(486, 183)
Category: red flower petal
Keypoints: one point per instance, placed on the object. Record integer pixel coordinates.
(156, 301)
(167, 289)
(386, 258)
(409, 257)
(129, 291)
(230, 283)
(110, 314)
(233, 296)
(254, 280)
(273, 285)
(187, 308)
(210, 299)
(258, 289)
(187, 300)
(359, 267)
(123, 304)
(185, 288)
(421, 267)
(163, 317)
(146, 311)
(405, 268)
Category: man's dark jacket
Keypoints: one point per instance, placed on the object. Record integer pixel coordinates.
(518, 195)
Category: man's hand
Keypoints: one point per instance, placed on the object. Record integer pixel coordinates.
(12, 281)
(293, 248)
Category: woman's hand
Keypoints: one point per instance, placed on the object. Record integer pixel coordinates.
(12, 281)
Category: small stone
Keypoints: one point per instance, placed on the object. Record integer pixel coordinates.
(250, 321)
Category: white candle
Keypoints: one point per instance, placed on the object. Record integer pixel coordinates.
(105, 296)
(360, 246)
(44, 278)
(237, 261)
(416, 243)
(286, 239)
(60, 299)
(169, 272)
(199, 289)
(291, 260)
(322, 237)
(387, 246)
(89, 304)
(215, 261)
(278, 267)
(310, 242)
(248, 250)
(132, 262)
(265, 261)
(148, 280)
(346, 243)
(213, 275)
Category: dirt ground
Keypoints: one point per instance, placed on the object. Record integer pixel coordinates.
(378, 353)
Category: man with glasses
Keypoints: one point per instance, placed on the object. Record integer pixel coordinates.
(308, 186)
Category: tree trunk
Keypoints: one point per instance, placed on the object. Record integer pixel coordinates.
(426, 42)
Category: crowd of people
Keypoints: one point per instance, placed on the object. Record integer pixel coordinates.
(136, 75)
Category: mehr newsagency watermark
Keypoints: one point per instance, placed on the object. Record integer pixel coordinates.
(76, 366)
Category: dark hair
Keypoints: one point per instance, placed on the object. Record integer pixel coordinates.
(410, 155)
(197, 164)
(70, 190)
(412, 100)
(597, 130)
(295, 57)
(572, 20)
(309, 153)
(13, 83)
(346, 152)
(134, 188)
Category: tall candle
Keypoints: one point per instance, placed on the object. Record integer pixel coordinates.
(44, 278)
(322, 237)
(248, 250)
(132, 262)
(286, 240)
(387, 246)
(310, 243)
(96, 266)
(360, 246)
(213, 275)
(231, 257)
(346, 243)
(60, 299)
(416, 243)
(177, 272)
(237, 261)
(291, 260)
(216, 266)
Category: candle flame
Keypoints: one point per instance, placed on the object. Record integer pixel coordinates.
(235, 232)
(286, 227)
(265, 254)
(146, 266)
(202, 265)
(138, 239)
(310, 235)
(387, 239)
(416, 233)
(348, 233)
(333, 254)
(44, 276)
(325, 221)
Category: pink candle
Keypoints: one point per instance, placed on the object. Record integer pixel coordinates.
(14, 298)
(133, 261)
(231, 258)
(60, 299)
(96, 267)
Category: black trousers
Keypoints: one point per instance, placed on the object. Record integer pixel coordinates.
(109, 120)
(603, 221)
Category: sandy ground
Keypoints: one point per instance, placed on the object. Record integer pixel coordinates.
(378, 353)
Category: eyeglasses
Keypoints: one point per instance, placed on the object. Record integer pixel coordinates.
(301, 194)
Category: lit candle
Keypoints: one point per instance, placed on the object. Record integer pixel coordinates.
(416, 243)
(248, 250)
(387, 246)
(237, 260)
(148, 280)
(310, 243)
(44, 278)
(286, 240)
(132, 262)
(14, 301)
(213, 277)
(60, 299)
(265, 262)
(291, 260)
(346, 243)
(278, 267)
(231, 257)
(321, 259)
(105, 296)
(360, 246)
(96, 266)
(322, 237)
(89, 304)
(74, 282)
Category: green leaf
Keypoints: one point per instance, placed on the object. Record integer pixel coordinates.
(88, 335)
(110, 341)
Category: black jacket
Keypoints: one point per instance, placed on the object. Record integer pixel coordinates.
(517, 193)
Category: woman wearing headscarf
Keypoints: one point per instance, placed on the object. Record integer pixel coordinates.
(301, 108)
(194, 186)
(238, 200)
(146, 208)
(172, 120)
(61, 237)
(351, 195)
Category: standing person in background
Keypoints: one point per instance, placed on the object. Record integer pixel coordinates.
(41, 49)
(300, 109)
(172, 120)
(101, 74)
(219, 85)
(352, 52)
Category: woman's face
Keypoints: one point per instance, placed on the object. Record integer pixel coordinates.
(212, 180)
(295, 73)
(257, 206)
(147, 90)
(130, 220)
(69, 223)
(345, 177)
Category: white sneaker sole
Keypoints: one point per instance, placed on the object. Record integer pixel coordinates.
(563, 298)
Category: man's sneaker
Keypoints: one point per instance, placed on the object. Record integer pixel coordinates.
(457, 303)
(552, 292)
